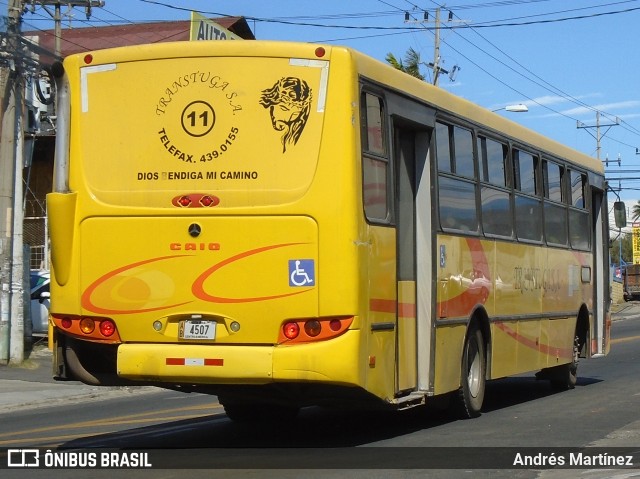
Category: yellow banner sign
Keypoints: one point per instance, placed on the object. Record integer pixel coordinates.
(636, 243)
(204, 29)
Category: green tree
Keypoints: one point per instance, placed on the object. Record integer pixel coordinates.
(627, 248)
(410, 65)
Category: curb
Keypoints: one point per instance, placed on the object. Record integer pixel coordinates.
(30, 385)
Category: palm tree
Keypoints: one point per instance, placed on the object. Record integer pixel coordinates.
(411, 63)
(635, 211)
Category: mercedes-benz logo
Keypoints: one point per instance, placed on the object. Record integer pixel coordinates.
(195, 230)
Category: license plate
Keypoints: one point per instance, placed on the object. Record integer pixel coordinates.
(197, 329)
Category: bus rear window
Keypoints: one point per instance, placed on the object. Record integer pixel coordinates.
(237, 127)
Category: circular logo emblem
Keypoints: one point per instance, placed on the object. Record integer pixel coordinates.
(198, 118)
(195, 230)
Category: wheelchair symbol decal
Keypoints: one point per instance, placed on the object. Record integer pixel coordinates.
(302, 272)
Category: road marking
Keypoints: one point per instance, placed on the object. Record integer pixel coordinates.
(625, 340)
(158, 416)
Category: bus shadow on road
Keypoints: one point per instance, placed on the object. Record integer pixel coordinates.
(319, 427)
(508, 392)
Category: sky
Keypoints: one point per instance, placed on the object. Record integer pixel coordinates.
(565, 60)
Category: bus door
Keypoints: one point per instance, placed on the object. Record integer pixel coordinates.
(414, 259)
(600, 275)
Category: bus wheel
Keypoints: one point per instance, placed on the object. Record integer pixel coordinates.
(566, 376)
(473, 374)
(258, 412)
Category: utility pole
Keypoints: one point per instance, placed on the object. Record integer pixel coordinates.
(57, 13)
(11, 111)
(436, 49)
(598, 136)
(16, 62)
(437, 26)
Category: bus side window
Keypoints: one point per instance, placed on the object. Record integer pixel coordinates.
(375, 159)
(443, 148)
(456, 179)
(555, 211)
(497, 217)
(527, 199)
(579, 231)
(457, 201)
(463, 152)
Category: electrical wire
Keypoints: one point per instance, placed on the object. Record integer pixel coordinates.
(455, 28)
(553, 89)
(378, 27)
(541, 83)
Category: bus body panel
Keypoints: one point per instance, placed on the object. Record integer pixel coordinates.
(382, 308)
(62, 207)
(233, 270)
(449, 340)
(532, 295)
(332, 362)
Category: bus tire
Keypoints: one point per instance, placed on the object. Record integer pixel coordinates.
(473, 374)
(566, 376)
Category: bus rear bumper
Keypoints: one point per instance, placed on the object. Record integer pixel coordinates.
(324, 372)
(321, 362)
(201, 364)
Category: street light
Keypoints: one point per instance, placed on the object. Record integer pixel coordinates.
(519, 108)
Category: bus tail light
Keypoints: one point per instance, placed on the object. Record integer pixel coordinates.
(335, 325)
(291, 330)
(313, 329)
(107, 328)
(88, 327)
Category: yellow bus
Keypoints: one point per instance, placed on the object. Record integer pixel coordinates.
(285, 225)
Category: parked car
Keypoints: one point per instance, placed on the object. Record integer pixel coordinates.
(40, 302)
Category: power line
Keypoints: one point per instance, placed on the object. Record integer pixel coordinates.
(491, 74)
(365, 27)
(553, 89)
(564, 12)
(548, 86)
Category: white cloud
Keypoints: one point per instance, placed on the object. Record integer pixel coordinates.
(545, 101)
(605, 107)
(548, 100)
